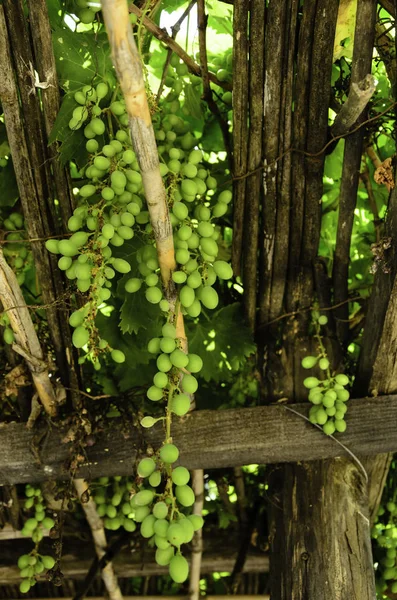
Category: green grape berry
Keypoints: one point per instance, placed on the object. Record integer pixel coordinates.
(179, 569)
(169, 453)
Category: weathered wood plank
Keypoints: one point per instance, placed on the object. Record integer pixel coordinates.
(206, 439)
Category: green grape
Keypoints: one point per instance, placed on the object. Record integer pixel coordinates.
(179, 569)
(74, 223)
(309, 361)
(8, 336)
(342, 379)
(184, 495)
(343, 395)
(154, 393)
(180, 405)
(134, 177)
(79, 239)
(340, 425)
(24, 586)
(118, 356)
(97, 126)
(197, 521)
(219, 210)
(121, 265)
(169, 330)
(180, 476)
(111, 511)
(209, 246)
(154, 346)
(118, 179)
(195, 363)
(161, 525)
(222, 269)
(133, 208)
(80, 337)
(153, 295)
(147, 526)
(211, 183)
(68, 248)
(117, 108)
(164, 556)
(187, 528)
(133, 285)
(88, 132)
(152, 280)
(205, 229)
(155, 478)
(52, 246)
(129, 525)
(321, 416)
(101, 90)
(311, 382)
(186, 296)
(148, 422)
(146, 467)
(203, 213)
(117, 240)
(182, 256)
(194, 280)
(83, 285)
(195, 309)
(143, 498)
(189, 170)
(179, 277)
(108, 151)
(122, 136)
(101, 163)
(23, 561)
(127, 219)
(179, 359)
(329, 427)
(169, 453)
(48, 562)
(160, 510)
(174, 166)
(83, 271)
(189, 187)
(209, 297)
(116, 144)
(323, 320)
(160, 380)
(30, 524)
(225, 197)
(184, 232)
(195, 157)
(180, 210)
(175, 534)
(161, 542)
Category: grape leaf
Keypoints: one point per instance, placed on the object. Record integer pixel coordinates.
(192, 100)
(73, 142)
(137, 313)
(223, 342)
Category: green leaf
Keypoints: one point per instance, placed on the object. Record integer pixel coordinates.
(224, 342)
(212, 140)
(54, 12)
(193, 100)
(137, 313)
(73, 142)
(80, 57)
(334, 161)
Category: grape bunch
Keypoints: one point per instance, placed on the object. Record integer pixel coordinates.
(385, 534)
(329, 395)
(8, 334)
(84, 10)
(18, 255)
(112, 498)
(33, 564)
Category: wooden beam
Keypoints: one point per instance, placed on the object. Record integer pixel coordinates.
(206, 439)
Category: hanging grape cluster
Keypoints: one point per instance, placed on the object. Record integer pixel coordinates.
(111, 210)
(17, 253)
(385, 534)
(34, 564)
(329, 394)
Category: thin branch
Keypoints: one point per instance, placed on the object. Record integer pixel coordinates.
(207, 92)
(359, 95)
(174, 31)
(163, 36)
(98, 534)
(197, 542)
(25, 335)
(240, 491)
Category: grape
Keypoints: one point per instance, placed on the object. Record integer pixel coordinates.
(195, 309)
(129, 525)
(179, 276)
(48, 561)
(79, 239)
(175, 534)
(342, 379)
(343, 395)
(83, 271)
(197, 521)
(115, 220)
(133, 208)
(340, 425)
(160, 510)
(168, 330)
(205, 229)
(80, 337)
(321, 416)
(189, 170)
(211, 183)
(174, 166)
(134, 177)
(102, 163)
(219, 210)
(118, 179)
(147, 526)
(83, 285)
(209, 297)
(179, 569)
(74, 223)
(101, 90)
(186, 296)
(127, 219)
(179, 359)
(184, 232)
(195, 363)
(209, 246)
(311, 382)
(329, 427)
(194, 280)
(111, 511)
(30, 524)
(97, 126)
(23, 561)
(118, 356)
(148, 422)
(154, 346)
(167, 345)
(64, 263)
(189, 188)
(163, 556)
(143, 498)
(180, 210)
(160, 380)
(182, 256)
(121, 265)
(161, 526)
(309, 361)
(133, 285)
(180, 405)
(323, 320)
(153, 295)
(152, 280)
(169, 453)
(24, 586)
(223, 270)
(184, 495)
(154, 393)
(195, 157)
(225, 197)
(67, 248)
(155, 478)
(187, 528)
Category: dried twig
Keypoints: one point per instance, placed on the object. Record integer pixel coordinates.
(25, 334)
(98, 533)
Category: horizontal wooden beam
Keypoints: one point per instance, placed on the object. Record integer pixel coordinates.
(217, 597)
(206, 440)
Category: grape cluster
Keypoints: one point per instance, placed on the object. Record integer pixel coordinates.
(8, 334)
(385, 534)
(329, 395)
(84, 10)
(34, 564)
(222, 65)
(112, 498)
(18, 255)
